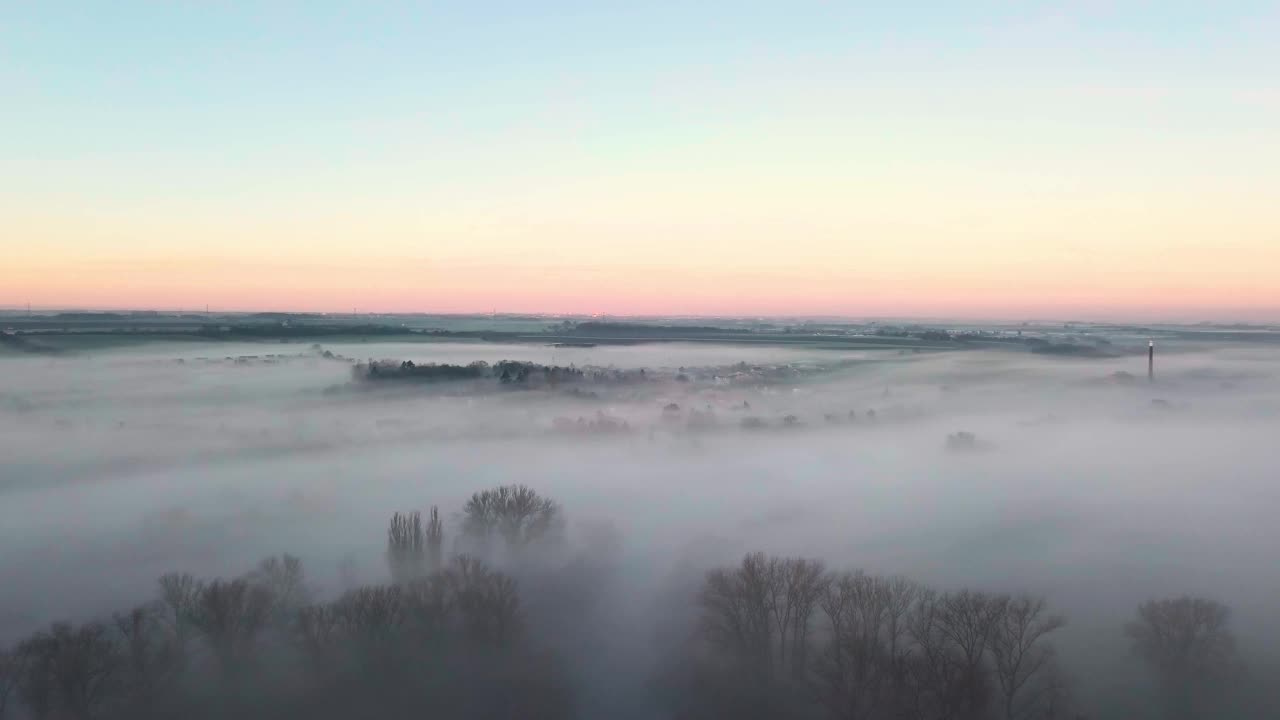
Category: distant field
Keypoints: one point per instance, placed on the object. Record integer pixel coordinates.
(80, 332)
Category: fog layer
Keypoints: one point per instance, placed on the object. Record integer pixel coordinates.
(1082, 482)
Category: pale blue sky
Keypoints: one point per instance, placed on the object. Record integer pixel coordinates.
(513, 115)
(238, 86)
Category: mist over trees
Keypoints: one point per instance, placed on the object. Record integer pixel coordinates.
(784, 637)
(441, 637)
(514, 513)
(1187, 644)
(687, 548)
(772, 637)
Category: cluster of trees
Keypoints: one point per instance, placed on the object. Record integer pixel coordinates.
(637, 330)
(524, 373)
(408, 370)
(695, 419)
(785, 637)
(601, 424)
(449, 636)
(507, 372)
(1076, 346)
(1186, 641)
(450, 642)
(446, 637)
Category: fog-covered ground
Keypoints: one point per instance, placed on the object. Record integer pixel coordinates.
(1087, 484)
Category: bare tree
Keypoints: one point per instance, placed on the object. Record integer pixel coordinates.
(405, 547)
(34, 683)
(378, 608)
(760, 613)
(318, 635)
(1023, 658)
(1187, 642)
(970, 620)
(487, 603)
(149, 651)
(435, 540)
(68, 670)
(736, 616)
(901, 596)
(428, 607)
(515, 512)
(390, 629)
(802, 583)
(952, 634)
(230, 614)
(179, 591)
(750, 652)
(11, 668)
(861, 671)
(848, 671)
(372, 618)
(282, 578)
(178, 594)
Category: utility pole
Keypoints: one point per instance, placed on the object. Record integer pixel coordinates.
(1151, 361)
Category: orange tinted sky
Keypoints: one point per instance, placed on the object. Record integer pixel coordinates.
(1058, 160)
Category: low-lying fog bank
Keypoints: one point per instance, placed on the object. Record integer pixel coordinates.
(1081, 483)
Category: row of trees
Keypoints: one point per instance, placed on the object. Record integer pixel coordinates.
(506, 372)
(785, 637)
(449, 636)
(497, 523)
(451, 641)
(445, 636)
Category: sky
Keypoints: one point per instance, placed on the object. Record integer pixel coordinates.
(982, 159)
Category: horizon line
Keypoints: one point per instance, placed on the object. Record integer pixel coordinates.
(914, 317)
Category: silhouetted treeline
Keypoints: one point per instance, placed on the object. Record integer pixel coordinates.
(443, 639)
(786, 638)
(450, 643)
(448, 636)
(643, 330)
(25, 344)
(507, 372)
(408, 370)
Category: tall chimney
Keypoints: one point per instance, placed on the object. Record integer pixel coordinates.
(1151, 360)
